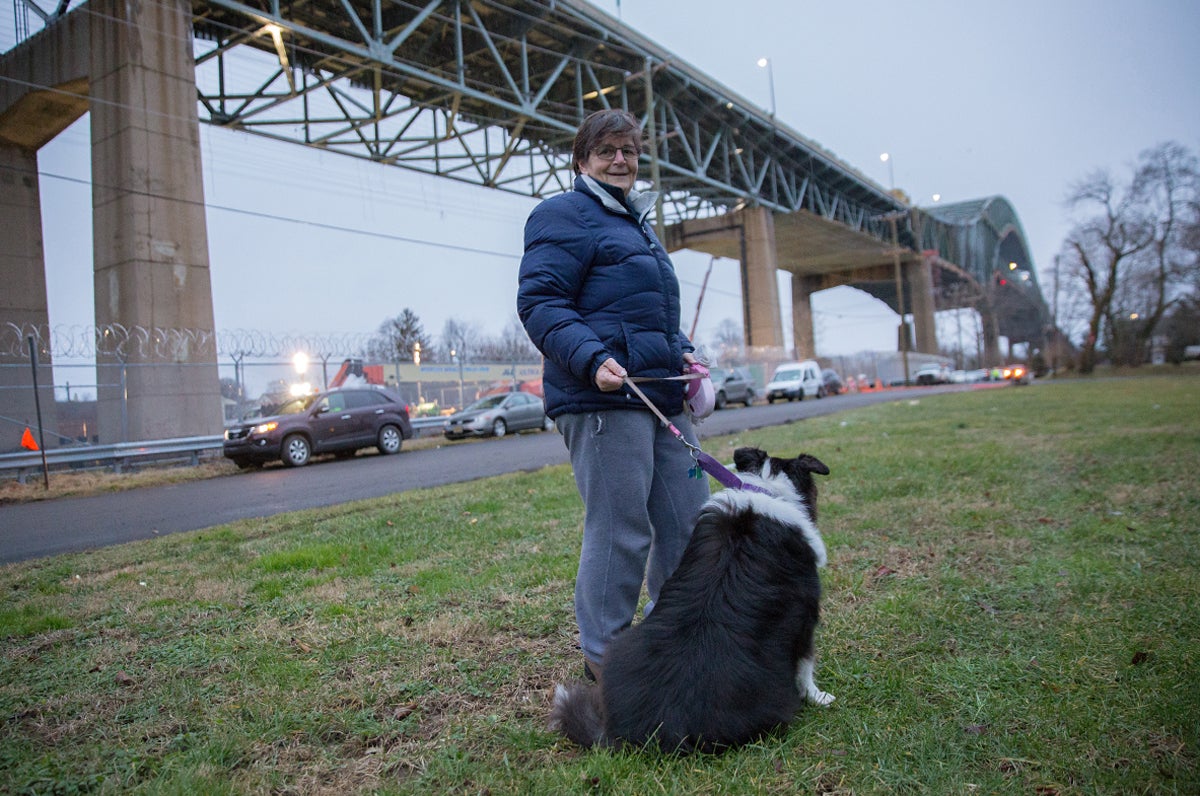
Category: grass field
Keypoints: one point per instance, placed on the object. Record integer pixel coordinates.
(1012, 605)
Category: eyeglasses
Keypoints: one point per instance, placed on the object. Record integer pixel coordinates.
(610, 153)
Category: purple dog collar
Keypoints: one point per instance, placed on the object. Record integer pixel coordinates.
(724, 475)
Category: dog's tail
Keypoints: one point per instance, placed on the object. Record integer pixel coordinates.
(577, 714)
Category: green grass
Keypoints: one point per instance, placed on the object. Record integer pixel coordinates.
(1012, 605)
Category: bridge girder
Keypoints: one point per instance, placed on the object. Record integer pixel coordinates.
(492, 92)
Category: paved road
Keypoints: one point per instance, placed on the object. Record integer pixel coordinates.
(34, 530)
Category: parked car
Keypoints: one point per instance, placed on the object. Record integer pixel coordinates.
(496, 415)
(831, 383)
(339, 421)
(968, 376)
(932, 374)
(734, 385)
(794, 381)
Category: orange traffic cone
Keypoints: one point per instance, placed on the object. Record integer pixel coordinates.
(27, 441)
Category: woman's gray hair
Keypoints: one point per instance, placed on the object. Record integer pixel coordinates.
(600, 125)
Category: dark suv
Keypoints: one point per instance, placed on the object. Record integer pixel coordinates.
(336, 421)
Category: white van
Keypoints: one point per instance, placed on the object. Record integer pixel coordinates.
(795, 381)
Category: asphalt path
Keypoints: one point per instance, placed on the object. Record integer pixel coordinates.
(68, 525)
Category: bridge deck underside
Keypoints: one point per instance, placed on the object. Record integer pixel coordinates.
(809, 245)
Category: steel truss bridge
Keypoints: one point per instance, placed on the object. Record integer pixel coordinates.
(490, 92)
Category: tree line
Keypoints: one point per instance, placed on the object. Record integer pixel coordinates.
(399, 339)
(1128, 275)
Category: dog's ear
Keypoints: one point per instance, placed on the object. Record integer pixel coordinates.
(749, 460)
(811, 464)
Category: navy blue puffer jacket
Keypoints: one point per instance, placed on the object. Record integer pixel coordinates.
(596, 283)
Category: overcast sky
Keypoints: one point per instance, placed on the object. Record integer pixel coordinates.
(970, 99)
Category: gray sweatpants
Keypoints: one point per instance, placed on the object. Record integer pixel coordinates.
(640, 506)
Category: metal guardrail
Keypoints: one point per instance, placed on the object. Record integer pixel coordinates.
(113, 457)
(117, 456)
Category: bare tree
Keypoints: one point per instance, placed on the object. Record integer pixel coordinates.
(1181, 324)
(1128, 255)
(729, 340)
(397, 339)
(513, 345)
(1169, 179)
(462, 338)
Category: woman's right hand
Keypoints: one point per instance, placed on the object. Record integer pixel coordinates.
(610, 376)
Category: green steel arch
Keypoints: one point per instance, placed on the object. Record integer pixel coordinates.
(981, 242)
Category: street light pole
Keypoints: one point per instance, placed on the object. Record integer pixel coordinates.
(454, 355)
(899, 294)
(416, 352)
(886, 158)
(766, 63)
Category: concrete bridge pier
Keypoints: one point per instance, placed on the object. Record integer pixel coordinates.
(760, 290)
(23, 307)
(36, 103)
(990, 322)
(131, 66)
(803, 331)
(920, 283)
(149, 230)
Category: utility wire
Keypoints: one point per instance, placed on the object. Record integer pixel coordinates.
(291, 220)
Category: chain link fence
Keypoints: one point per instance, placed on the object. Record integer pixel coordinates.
(256, 370)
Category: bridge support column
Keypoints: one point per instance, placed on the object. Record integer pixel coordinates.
(991, 334)
(30, 117)
(803, 333)
(23, 305)
(920, 280)
(760, 290)
(151, 243)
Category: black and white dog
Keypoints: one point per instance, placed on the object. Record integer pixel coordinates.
(727, 653)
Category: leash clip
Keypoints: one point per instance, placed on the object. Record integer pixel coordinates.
(703, 462)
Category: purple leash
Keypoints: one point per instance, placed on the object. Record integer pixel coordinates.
(726, 477)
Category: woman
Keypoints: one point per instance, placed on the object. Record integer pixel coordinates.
(599, 298)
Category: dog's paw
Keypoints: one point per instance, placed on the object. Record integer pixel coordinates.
(819, 697)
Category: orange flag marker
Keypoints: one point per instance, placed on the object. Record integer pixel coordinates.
(27, 440)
